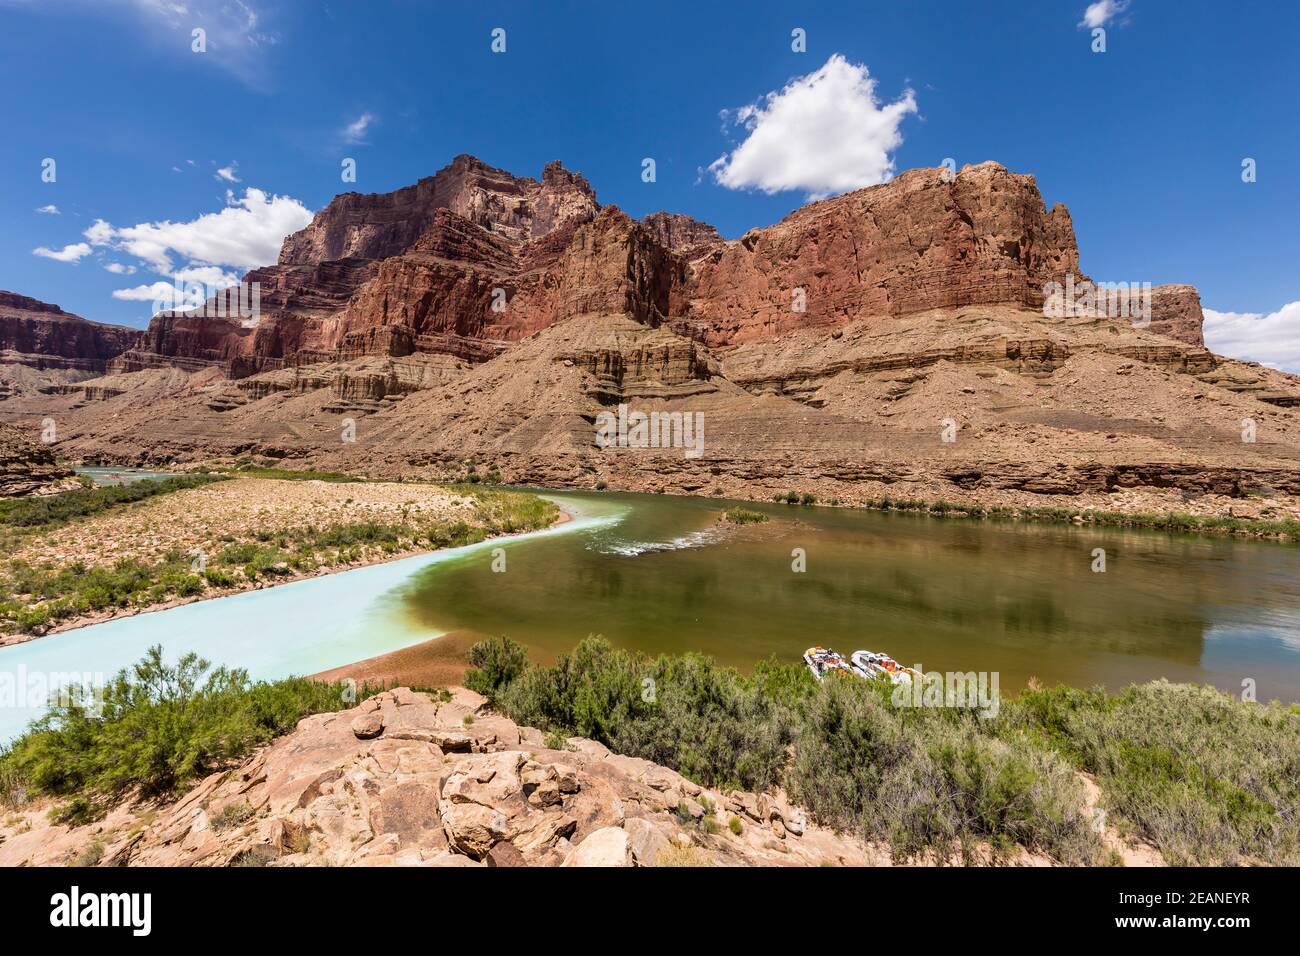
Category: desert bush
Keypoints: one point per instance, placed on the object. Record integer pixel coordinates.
(932, 780)
(1205, 778)
(159, 727)
(494, 663)
(709, 723)
(232, 815)
(52, 510)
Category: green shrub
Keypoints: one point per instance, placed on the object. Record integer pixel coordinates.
(232, 815)
(710, 723)
(932, 780)
(161, 726)
(744, 516)
(52, 510)
(1205, 778)
(494, 663)
(294, 474)
(219, 578)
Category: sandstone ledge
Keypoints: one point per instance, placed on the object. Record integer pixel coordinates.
(403, 779)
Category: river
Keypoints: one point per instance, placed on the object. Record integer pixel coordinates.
(659, 574)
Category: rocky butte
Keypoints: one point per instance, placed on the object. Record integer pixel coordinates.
(42, 335)
(481, 315)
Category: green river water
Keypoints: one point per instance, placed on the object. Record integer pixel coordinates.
(947, 594)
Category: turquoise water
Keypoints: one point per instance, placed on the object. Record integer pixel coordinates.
(121, 476)
(302, 627)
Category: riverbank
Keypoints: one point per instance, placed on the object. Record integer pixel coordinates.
(438, 662)
(1182, 522)
(1255, 514)
(237, 535)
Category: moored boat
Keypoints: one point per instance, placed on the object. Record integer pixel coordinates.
(822, 661)
(871, 665)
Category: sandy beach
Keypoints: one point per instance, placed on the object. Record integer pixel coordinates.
(437, 662)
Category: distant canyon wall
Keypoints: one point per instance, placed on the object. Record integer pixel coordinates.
(473, 258)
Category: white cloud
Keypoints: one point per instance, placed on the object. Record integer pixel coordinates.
(50, 210)
(165, 296)
(1271, 339)
(1102, 12)
(70, 253)
(355, 132)
(228, 173)
(214, 277)
(825, 133)
(188, 289)
(118, 268)
(244, 235)
(100, 233)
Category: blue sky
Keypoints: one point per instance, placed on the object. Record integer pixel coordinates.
(1144, 142)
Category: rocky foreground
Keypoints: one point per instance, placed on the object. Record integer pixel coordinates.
(417, 779)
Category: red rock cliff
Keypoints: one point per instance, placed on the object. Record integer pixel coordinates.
(304, 299)
(42, 335)
(915, 243)
(473, 258)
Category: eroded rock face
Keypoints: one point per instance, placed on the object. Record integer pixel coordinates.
(380, 225)
(682, 234)
(404, 780)
(41, 335)
(27, 466)
(474, 258)
(434, 250)
(921, 241)
(1176, 312)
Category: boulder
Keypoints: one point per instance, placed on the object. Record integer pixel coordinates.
(607, 846)
(645, 840)
(367, 726)
(472, 828)
(453, 741)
